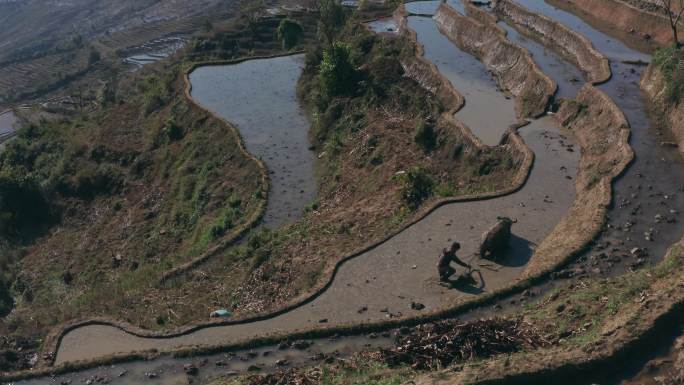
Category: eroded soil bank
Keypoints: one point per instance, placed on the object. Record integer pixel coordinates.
(272, 124)
(671, 112)
(552, 34)
(639, 28)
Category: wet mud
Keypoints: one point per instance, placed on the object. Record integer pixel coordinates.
(259, 98)
(168, 370)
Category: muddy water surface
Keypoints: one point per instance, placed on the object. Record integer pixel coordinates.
(384, 25)
(487, 111)
(259, 98)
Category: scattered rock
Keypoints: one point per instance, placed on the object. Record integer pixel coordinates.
(190, 369)
(301, 345)
(283, 345)
(417, 306)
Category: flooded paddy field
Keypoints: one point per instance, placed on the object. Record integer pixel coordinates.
(153, 51)
(8, 123)
(259, 98)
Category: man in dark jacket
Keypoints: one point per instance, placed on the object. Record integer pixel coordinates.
(444, 265)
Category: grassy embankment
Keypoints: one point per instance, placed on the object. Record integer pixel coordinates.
(670, 60)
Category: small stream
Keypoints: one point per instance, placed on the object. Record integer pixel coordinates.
(259, 97)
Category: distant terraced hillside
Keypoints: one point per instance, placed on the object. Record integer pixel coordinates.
(46, 43)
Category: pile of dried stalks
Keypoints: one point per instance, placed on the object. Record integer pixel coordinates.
(287, 377)
(434, 346)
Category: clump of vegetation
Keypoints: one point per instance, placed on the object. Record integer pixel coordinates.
(331, 20)
(418, 186)
(671, 62)
(290, 32)
(426, 136)
(337, 72)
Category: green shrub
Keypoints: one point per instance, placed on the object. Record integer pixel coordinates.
(418, 186)
(337, 74)
(289, 32)
(670, 60)
(172, 130)
(425, 136)
(22, 204)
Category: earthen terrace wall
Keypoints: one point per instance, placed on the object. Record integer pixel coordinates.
(565, 41)
(512, 65)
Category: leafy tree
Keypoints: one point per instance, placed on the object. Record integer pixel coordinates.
(331, 19)
(207, 26)
(418, 186)
(674, 9)
(289, 32)
(22, 204)
(252, 11)
(337, 73)
(172, 130)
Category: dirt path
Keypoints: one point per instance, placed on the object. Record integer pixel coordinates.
(383, 282)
